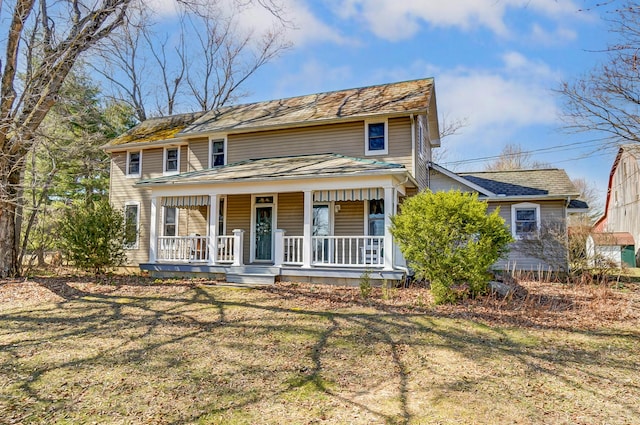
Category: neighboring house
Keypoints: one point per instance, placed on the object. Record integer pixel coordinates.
(530, 202)
(622, 207)
(299, 188)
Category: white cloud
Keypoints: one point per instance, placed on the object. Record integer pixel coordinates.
(499, 106)
(542, 36)
(397, 20)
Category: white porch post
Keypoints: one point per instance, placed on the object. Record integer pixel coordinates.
(153, 239)
(214, 209)
(278, 257)
(307, 229)
(389, 208)
(238, 249)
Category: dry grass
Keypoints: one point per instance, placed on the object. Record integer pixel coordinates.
(130, 350)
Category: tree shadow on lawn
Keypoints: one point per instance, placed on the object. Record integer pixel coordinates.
(213, 354)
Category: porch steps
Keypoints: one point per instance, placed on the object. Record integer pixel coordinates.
(253, 275)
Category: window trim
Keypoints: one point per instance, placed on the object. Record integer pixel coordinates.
(164, 222)
(164, 160)
(224, 150)
(524, 206)
(136, 244)
(139, 173)
(369, 152)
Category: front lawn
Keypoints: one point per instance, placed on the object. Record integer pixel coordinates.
(131, 350)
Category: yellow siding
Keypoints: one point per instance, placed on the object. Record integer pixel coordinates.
(184, 153)
(152, 163)
(346, 139)
(239, 217)
(291, 213)
(198, 158)
(349, 221)
(121, 192)
(420, 173)
(440, 183)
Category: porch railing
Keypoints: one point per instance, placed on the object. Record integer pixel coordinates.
(225, 249)
(183, 248)
(293, 253)
(347, 251)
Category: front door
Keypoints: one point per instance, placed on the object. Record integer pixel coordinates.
(263, 241)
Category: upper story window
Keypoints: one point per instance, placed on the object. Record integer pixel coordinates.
(131, 224)
(217, 148)
(376, 138)
(134, 163)
(171, 160)
(525, 220)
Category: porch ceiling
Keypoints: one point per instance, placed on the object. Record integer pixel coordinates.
(292, 167)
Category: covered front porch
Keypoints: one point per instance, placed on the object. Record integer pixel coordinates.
(334, 227)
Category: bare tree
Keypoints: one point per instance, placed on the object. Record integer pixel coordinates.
(159, 74)
(514, 157)
(41, 44)
(607, 98)
(589, 193)
(64, 30)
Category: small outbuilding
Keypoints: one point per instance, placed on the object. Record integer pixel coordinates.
(617, 247)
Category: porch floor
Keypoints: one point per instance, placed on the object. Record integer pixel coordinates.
(332, 275)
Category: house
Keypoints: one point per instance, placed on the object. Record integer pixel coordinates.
(531, 202)
(622, 205)
(299, 188)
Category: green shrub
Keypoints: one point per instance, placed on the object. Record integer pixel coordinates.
(449, 239)
(93, 236)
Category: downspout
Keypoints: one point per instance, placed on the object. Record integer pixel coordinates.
(414, 161)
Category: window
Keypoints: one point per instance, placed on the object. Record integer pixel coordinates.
(172, 160)
(525, 220)
(134, 162)
(131, 219)
(376, 217)
(376, 138)
(217, 149)
(170, 221)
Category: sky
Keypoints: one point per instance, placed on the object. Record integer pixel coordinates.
(495, 63)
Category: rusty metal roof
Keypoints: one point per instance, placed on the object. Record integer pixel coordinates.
(291, 167)
(543, 182)
(613, 238)
(386, 99)
(155, 129)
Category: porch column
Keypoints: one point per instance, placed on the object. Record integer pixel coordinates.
(389, 208)
(214, 210)
(307, 229)
(278, 255)
(153, 233)
(238, 249)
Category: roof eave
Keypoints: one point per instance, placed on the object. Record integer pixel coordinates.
(552, 197)
(398, 171)
(137, 145)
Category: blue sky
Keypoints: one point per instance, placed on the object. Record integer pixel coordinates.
(495, 63)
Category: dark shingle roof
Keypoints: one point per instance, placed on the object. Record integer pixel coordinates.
(322, 165)
(578, 204)
(545, 182)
